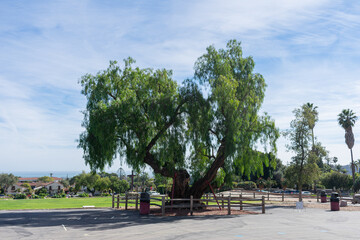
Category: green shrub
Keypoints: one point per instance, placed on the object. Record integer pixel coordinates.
(105, 194)
(83, 195)
(20, 196)
(247, 185)
(59, 195)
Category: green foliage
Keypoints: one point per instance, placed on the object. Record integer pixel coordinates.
(143, 115)
(347, 118)
(45, 179)
(310, 171)
(356, 186)
(83, 195)
(337, 180)
(119, 186)
(303, 168)
(247, 185)
(65, 183)
(102, 184)
(28, 187)
(41, 192)
(7, 180)
(59, 195)
(87, 180)
(20, 196)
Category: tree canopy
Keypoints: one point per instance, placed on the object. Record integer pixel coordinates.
(303, 168)
(7, 180)
(146, 117)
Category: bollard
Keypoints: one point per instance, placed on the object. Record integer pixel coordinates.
(113, 201)
(229, 206)
(163, 206)
(126, 201)
(191, 205)
(222, 201)
(263, 204)
(136, 202)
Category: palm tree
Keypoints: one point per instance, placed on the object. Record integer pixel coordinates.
(357, 163)
(347, 119)
(312, 116)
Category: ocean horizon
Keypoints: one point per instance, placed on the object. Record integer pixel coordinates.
(60, 174)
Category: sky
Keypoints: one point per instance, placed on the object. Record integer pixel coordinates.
(307, 51)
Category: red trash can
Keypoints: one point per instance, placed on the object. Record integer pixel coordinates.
(334, 202)
(323, 196)
(144, 203)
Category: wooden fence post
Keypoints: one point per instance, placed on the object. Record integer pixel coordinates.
(118, 201)
(191, 205)
(222, 201)
(229, 206)
(126, 201)
(263, 204)
(268, 195)
(317, 197)
(283, 196)
(254, 194)
(241, 205)
(163, 205)
(207, 199)
(113, 201)
(136, 202)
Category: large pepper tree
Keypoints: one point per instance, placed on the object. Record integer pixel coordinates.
(207, 125)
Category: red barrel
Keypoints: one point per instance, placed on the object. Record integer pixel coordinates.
(144, 203)
(334, 202)
(323, 196)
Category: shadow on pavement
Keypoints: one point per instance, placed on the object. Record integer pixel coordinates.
(89, 219)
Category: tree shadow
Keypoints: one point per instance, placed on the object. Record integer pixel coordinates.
(90, 219)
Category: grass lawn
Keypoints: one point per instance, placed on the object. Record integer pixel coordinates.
(54, 203)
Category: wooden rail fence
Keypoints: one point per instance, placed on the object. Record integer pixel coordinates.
(226, 202)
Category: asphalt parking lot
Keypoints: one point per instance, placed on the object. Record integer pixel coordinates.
(277, 223)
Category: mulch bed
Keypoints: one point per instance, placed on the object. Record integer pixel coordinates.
(202, 212)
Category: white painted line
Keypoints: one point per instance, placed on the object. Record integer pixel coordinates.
(112, 217)
(64, 227)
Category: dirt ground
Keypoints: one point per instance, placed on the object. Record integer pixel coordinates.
(207, 212)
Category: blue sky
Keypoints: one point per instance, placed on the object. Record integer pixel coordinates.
(308, 51)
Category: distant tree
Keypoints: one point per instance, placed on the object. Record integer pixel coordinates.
(335, 179)
(7, 180)
(357, 164)
(118, 185)
(28, 188)
(347, 119)
(65, 183)
(102, 184)
(87, 180)
(45, 179)
(303, 167)
(311, 116)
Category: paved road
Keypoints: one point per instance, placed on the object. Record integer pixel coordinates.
(277, 223)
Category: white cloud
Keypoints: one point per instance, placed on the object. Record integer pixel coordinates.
(308, 51)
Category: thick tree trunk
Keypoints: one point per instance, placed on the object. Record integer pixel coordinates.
(180, 184)
(200, 186)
